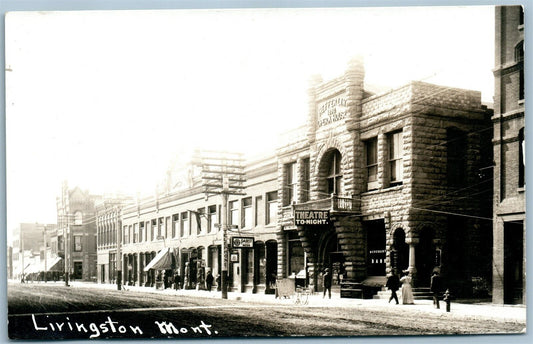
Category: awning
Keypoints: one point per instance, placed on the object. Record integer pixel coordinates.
(162, 261)
(54, 264)
(33, 268)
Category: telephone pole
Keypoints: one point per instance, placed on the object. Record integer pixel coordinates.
(222, 174)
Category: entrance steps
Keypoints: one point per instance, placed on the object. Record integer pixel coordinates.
(421, 293)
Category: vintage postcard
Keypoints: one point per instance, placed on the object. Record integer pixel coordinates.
(231, 173)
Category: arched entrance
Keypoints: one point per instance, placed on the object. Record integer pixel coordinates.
(330, 256)
(400, 252)
(424, 257)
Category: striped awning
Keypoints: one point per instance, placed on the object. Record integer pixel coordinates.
(162, 261)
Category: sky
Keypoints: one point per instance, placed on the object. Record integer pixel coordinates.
(109, 99)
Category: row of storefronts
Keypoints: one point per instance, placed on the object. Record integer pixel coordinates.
(372, 183)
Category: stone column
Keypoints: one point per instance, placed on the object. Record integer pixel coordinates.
(282, 253)
(412, 242)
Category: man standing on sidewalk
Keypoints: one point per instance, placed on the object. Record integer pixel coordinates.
(436, 287)
(393, 284)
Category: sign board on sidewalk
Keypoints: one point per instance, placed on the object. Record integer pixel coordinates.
(242, 242)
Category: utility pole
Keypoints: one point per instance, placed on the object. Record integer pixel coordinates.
(222, 174)
(119, 248)
(45, 262)
(67, 253)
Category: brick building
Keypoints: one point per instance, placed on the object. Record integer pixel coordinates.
(108, 221)
(376, 182)
(76, 232)
(178, 231)
(509, 268)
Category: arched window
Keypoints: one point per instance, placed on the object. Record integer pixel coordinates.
(78, 218)
(334, 175)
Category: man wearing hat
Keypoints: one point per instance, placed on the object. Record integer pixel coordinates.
(327, 282)
(393, 284)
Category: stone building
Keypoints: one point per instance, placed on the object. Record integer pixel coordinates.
(509, 268)
(76, 232)
(381, 182)
(179, 232)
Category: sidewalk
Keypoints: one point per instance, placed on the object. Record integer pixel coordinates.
(481, 311)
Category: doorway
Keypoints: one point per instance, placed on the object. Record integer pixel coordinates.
(513, 260)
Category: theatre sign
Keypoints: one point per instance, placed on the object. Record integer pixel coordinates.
(311, 217)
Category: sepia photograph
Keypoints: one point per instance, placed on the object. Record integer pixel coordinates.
(231, 173)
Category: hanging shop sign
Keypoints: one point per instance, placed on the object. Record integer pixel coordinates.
(242, 242)
(311, 217)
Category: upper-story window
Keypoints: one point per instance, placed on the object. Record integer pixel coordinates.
(200, 221)
(247, 212)
(153, 230)
(135, 232)
(371, 147)
(212, 218)
(234, 213)
(521, 158)
(126, 239)
(175, 224)
(395, 141)
(519, 57)
(78, 218)
(290, 183)
(184, 227)
(456, 157)
(306, 183)
(141, 231)
(334, 176)
(77, 243)
(272, 207)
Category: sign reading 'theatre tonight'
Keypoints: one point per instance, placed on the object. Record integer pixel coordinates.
(311, 217)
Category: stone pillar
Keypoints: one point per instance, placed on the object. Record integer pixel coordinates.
(139, 269)
(282, 253)
(412, 254)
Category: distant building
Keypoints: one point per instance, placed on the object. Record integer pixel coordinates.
(76, 232)
(509, 268)
(108, 223)
(382, 182)
(28, 238)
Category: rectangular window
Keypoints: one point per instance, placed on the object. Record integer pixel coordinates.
(372, 160)
(247, 213)
(184, 228)
(153, 229)
(160, 228)
(306, 183)
(175, 224)
(200, 221)
(141, 231)
(272, 207)
(234, 213)
(212, 218)
(126, 238)
(167, 227)
(135, 232)
(290, 184)
(259, 211)
(396, 158)
(77, 243)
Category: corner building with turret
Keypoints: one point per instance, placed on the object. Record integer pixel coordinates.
(380, 182)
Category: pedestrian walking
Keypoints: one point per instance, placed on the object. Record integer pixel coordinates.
(326, 278)
(393, 284)
(407, 289)
(436, 287)
(219, 284)
(209, 280)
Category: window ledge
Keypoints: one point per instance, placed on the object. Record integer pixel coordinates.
(521, 189)
(521, 102)
(520, 27)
